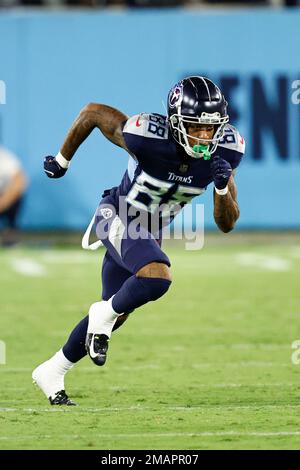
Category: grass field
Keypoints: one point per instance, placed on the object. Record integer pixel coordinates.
(206, 367)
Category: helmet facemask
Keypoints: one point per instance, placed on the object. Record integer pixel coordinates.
(179, 125)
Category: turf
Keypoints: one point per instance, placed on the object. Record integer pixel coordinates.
(206, 367)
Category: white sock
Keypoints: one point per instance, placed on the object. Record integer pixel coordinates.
(60, 363)
(102, 318)
(50, 375)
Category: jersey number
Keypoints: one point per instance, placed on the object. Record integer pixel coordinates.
(228, 138)
(147, 193)
(157, 125)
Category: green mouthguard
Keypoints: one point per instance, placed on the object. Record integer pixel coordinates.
(204, 150)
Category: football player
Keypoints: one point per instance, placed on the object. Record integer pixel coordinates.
(171, 160)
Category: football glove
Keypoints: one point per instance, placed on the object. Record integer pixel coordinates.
(221, 172)
(52, 168)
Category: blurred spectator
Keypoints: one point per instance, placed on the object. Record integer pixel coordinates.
(31, 2)
(145, 3)
(86, 3)
(54, 3)
(239, 2)
(154, 3)
(12, 188)
(275, 3)
(292, 3)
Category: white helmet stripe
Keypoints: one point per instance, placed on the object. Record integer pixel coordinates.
(207, 89)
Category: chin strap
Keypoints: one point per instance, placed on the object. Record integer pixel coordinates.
(204, 149)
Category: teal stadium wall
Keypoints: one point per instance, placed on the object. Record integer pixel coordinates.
(55, 63)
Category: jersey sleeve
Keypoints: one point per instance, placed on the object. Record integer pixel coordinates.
(133, 133)
(232, 146)
(143, 130)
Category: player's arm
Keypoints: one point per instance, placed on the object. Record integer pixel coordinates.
(226, 209)
(108, 120)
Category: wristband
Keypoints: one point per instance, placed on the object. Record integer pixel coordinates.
(62, 161)
(222, 192)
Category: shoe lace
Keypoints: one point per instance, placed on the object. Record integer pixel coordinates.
(61, 397)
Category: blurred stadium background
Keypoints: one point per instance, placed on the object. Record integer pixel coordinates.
(224, 379)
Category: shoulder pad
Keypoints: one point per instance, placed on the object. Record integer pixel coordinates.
(154, 126)
(232, 139)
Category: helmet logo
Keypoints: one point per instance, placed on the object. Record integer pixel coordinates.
(175, 96)
(106, 213)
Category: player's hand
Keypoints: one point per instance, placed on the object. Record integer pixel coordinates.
(52, 168)
(221, 172)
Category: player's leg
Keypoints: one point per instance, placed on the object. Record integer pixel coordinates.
(113, 277)
(148, 284)
(150, 280)
(49, 376)
(135, 292)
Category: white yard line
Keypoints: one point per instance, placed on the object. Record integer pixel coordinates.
(154, 408)
(27, 267)
(254, 346)
(201, 385)
(271, 263)
(295, 251)
(203, 365)
(68, 257)
(200, 365)
(250, 385)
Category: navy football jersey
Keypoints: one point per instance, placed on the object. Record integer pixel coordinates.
(160, 173)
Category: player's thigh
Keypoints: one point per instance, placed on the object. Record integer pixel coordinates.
(130, 251)
(113, 276)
